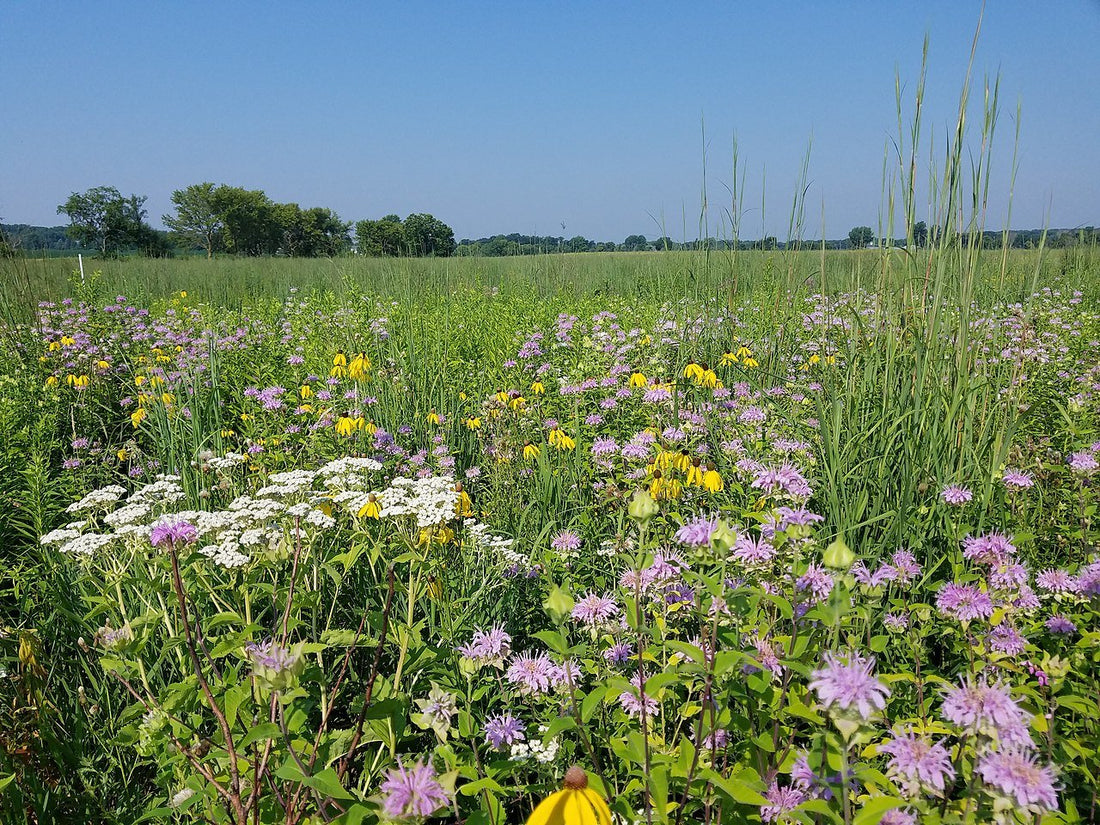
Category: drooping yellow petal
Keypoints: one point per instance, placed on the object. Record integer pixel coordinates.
(551, 811)
(602, 814)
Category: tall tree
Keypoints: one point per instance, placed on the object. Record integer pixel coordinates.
(197, 219)
(105, 220)
(252, 222)
(860, 236)
(428, 236)
(384, 237)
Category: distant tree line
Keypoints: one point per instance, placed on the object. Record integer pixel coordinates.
(213, 218)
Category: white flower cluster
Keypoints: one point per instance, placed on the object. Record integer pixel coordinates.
(535, 749)
(86, 543)
(226, 461)
(102, 499)
(431, 500)
(484, 539)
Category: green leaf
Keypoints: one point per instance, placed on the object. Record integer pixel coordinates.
(327, 784)
(735, 788)
(874, 809)
(262, 732)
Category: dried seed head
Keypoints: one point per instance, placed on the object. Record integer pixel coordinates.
(575, 779)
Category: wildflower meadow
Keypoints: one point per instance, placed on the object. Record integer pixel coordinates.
(658, 537)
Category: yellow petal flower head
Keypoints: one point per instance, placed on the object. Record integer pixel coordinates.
(339, 365)
(502, 396)
(346, 425)
(517, 403)
(435, 418)
(464, 507)
(137, 416)
(694, 473)
(729, 359)
(574, 804)
(744, 352)
(712, 482)
(693, 371)
(51, 381)
(359, 367)
(530, 451)
(751, 362)
(472, 423)
(372, 509)
(638, 379)
(305, 391)
(538, 388)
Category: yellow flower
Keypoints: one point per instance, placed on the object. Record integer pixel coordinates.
(694, 473)
(728, 359)
(517, 403)
(51, 381)
(122, 454)
(156, 381)
(538, 388)
(139, 380)
(168, 399)
(638, 379)
(339, 365)
(744, 352)
(559, 439)
(67, 341)
(472, 423)
(530, 451)
(751, 362)
(502, 396)
(372, 509)
(359, 367)
(77, 381)
(305, 391)
(137, 416)
(54, 346)
(434, 418)
(229, 434)
(464, 507)
(346, 425)
(693, 371)
(462, 396)
(830, 360)
(102, 365)
(709, 379)
(370, 428)
(681, 462)
(574, 804)
(712, 482)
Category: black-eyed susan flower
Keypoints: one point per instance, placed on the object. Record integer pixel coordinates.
(712, 481)
(530, 451)
(574, 804)
(538, 388)
(693, 371)
(372, 509)
(638, 379)
(339, 365)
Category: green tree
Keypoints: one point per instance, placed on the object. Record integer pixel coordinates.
(103, 219)
(860, 236)
(253, 225)
(920, 233)
(384, 237)
(197, 220)
(633, 243)
(428, 236)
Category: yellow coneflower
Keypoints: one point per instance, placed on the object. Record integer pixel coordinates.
(694, 473)
(538, 388)
(305, 391)
(101, 364)
(830, 360)
(68, 341)
(657, 486)
(681, 461)
(54, 346)
(672, 489)
(729, 359)
(575, 804)
(137, 416)
(473, 422)
(559, 439)
(246, 417)
(709, 379)
(359, 367)
(155, 381)
(464, 506)
(228, 433)
(744, 352)
(122, 454)
(638, 379)
(370, 428)
(530, 451)
(372, 509)
(712, 482)
(167, 399)
(693, 371)
(339, 365)
(52, 381)
(346, 425)
(434, 418)
(502, 396)
(750, 362)
(517, 403)
(78, 381)
(462, 396)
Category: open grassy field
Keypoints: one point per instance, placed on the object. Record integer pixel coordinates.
(751, 536)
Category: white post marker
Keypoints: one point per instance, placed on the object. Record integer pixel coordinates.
(80, 260)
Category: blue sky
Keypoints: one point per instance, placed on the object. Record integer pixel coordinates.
(519, 117)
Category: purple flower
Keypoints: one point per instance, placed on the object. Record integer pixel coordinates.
(503, 729)
(566, 541)
(604, 446)
(619, 654)
(631, 702)
(991, 548)
(1005, 639)
(172, 532)
(988, 709)
(1017, 776)
(753, 552)
(963, 602)
(413, 792)
(898, 816)
(955, 495)
(1083, 463)
(594, 610)
(1057, 582)
(531, 673)
(1017, 480)
(492, 646)
(697, 533)
(781, 801)
(849, 684)
(917, 764)
(1060, 624)
(896, 622)
(905, 566)
(818, 581)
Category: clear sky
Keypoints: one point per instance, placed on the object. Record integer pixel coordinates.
(501, 117)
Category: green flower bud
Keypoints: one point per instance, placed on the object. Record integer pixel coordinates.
(838, 556)
(642, 507)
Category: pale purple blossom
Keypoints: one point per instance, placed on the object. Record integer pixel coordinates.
(918, 764)
(848, 682)
(1017, 776)
(413, 792)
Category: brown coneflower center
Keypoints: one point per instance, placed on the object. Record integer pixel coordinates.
(575, 779)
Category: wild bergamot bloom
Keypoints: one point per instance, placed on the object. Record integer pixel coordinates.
(574, 804)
